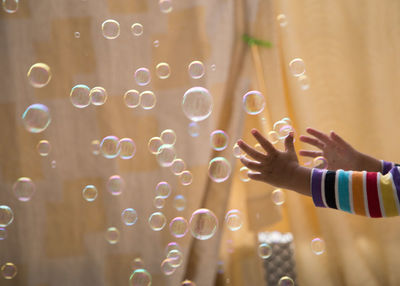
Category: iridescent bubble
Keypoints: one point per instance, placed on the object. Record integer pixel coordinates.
(3, 233)
(176, 258)
(219, 169)
(112, 235)
(110, 29)
(304, 82)
(53, 164)
(36, 118)
(178, 166)
(132, 98)
(186, 178)
(233, 220)
(43, 148)
(89, 193)
(140, 277)
(137, 29)
(253, 102)
(297, 67)
(213, 67)
(193, 129)
(244, 174)
(171, 247)
(98, 95)
(273, 137)
(168, 136)
(24, 189)
(95, 147)
(127, 148)
(196, 69)
(188, 283)
(281, 18)
(159, 202)
(287, 120)
(320, 163)
(286, 281)
(137, 263)
(166, 155)
(163, 70)
(278, 197)
(163, 189)
(80, 96)
(115, 185)
(77, 35)
(284, 131)
(203, 224)
(197, 103)
(179, 203)
(166, 267)
(129, 216)
(39, 74)
(8, 270)
(156, 43)
(142, 76)
(154, 145)
(264, 250)
(148, 100)
(318, 246)
(237, 151)
(165, 6)
(109, 147)
(10, 6)
(218, 140)
(178, 227)
(157, 221)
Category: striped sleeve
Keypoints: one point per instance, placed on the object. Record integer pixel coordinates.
(364, 193)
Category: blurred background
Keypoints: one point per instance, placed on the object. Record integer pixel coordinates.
(111, 172)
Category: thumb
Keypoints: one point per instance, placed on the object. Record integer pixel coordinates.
(289, 146)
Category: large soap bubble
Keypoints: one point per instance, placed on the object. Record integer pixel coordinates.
(39, 75)
(203, 224)
(219, 169)
(197, 103)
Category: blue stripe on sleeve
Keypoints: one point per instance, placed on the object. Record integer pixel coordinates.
(343, 191)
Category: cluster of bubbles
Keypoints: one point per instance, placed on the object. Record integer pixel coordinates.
(173, 259)
(146, 99)
(281, 129)
(24, 189)
(297, 68)
(111, 147)
(81, 96)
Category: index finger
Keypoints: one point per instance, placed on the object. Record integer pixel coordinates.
(321, 136)
(251, 151)
(263, 142)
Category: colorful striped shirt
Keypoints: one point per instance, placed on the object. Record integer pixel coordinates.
(364, 193)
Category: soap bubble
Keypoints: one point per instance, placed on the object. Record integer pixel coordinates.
(156, 43)
(318, 246)
(278, 197)
(219, 169)
(8, 270)
(284, 131)
(259, 148)
(176, 258)
(148, 100)
(282, 21)
(179, 203)
(193, 129)
(166, 155)
(36, 118)
(115, 185)
(129, 216)
(110, 29)
(196, 69)
(218, 140)
(140, 277)
(244, 174)
(3, 233)
(95, 147)
(171, 247)
(253, 102)
(178, 227)
(320, 163)
(178, 166)
(53, 164)
(264, 250)
(142, 76)
(304, 82)
(43, 148)
(157, 221)
(10, 6)
(233, 220)
(77, 35)
(166, 267)
(273, 137)
(154, 145)
(197, 103)
(159, 202)
(6, 216)
(213, 67)
(98, 95)
(163, 189)
(137, 29)
(203, 224)
(24, 189)
(287, 120)
(188, 283)
(112, 235)
(186, 178)
(127, 148)
(89, 193)
(137, 263)
(237, 151)
(39, 74)
(168, 136)
(80, 96)
(132, 98)
(163, 70)
(109, 147)
(286, 281)
(165, 6)
(297, 67)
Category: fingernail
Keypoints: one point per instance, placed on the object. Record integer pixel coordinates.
(253, 131)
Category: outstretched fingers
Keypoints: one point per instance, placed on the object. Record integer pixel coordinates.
(318, 134)
(312, 141)
(264, 142)
(339, 139)
(253, 165)
(251, 151)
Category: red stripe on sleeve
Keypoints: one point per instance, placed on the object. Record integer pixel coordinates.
(372, 195)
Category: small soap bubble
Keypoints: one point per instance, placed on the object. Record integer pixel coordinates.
(318, 246)
(193, 129)
(273, 137)
(284, 131)
(142, 76)
(282, 21)
(278, 197)
(219, 169)
(39, 74)
(233, 220)
(188, 283)
(89, 193)
(218, 140)
(237, 151)
(132, 98)
(287, 120)
(264, 250)
(98, 95)
(179, 203)
(8, 270)
(163, 190)
(137, 29)
(43, 148)
(168, 136)
(186, 178)
(115, 185)
(159, 202)
(129, 216)
(80, 96)
(171, 247)
(53, 164)
(166, 155)
(178, 227)
(196, 69)
(77, 35)
(197, 103)
(244, 174)
(112, 235)
(148, 100)
(6, 216)
(3, 233)
(297, 67)
(166, 267)
(176, 257)
(110, 29)
(154, 145)
(140, 277)
(24, 189)
(156, 43)
(157, 221)
(127, 148)
(109, 147)
(286, 281)
(178, 166)
(163, 70)
(36, 118)
(304, 82)
(165, 6)
(253, 102)
(203, 224)
(320, 163)
(10, 6)
(137, 263)
(213, 67)
(95, 147)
